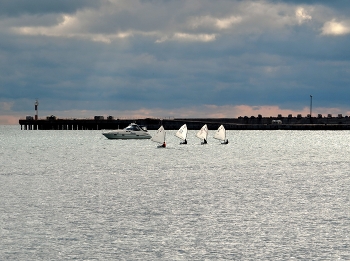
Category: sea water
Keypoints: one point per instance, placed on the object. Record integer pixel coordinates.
(267, 195)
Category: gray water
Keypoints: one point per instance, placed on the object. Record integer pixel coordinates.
(267, 195)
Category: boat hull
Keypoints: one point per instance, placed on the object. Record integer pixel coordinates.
(126, 136)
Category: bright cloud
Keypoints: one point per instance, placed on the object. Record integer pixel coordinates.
(195, 37)
(209, 21)
(67, 26)
(188, 37)
(336, 28)
(302, 15)
(227, 22)
(71, 27)
(108, 24)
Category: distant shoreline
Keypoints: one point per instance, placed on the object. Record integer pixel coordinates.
(241, 123)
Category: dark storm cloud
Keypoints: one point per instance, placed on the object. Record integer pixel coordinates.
(171, 54)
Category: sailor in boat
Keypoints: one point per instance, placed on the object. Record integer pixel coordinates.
(204, 141)
(163, 145)
(225, 142)
(184, 142)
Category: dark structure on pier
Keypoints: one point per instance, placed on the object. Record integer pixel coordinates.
(241, 123)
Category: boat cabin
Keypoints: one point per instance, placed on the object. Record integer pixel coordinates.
(276, 122)
(133, 127)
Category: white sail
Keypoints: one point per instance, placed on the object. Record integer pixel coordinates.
(182, 132)
(220, 134)
(203, 132)
(160, 135)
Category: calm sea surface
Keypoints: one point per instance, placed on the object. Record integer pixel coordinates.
(267, 195)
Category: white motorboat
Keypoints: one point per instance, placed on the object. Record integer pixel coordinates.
(133, 131)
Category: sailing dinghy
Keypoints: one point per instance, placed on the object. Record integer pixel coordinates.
(160, 137)
(220, 134)
(182, 134)
(203, 134)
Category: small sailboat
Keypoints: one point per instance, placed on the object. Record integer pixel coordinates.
(220, 134)
(203, 134)
(182, 134)
(160, 137)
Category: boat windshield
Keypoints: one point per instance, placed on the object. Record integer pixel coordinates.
(133, 128)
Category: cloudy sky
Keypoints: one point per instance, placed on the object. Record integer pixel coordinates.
(173, 58)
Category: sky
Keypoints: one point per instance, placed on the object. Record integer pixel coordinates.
(173, 58)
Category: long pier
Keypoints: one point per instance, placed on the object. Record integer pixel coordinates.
(241, 123)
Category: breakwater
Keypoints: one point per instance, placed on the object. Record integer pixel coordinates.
(241, 123)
